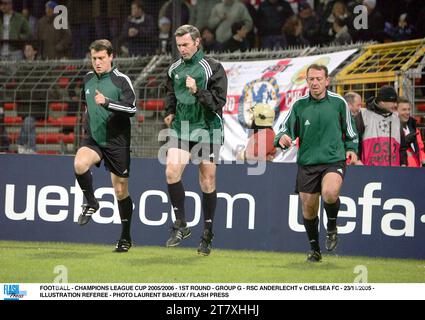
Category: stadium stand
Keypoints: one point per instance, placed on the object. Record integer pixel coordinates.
(49, 90)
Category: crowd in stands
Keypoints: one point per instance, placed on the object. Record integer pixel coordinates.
(144, 27)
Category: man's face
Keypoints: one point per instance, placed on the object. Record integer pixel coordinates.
(136, 11)
(388, 106)
(317, 83)
(356, 105)
(187, 46)
(6, 7)
(29, 52)
(101, 62)
(404, 111)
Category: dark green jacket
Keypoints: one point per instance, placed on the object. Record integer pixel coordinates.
(201, 112)
(19, 30)
(324, 127)
(109, 124)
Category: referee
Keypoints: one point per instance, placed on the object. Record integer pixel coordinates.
(110, 102)
(327, 138)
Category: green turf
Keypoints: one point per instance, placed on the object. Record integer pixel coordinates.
(24, 262)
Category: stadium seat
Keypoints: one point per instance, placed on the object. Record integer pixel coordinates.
(58, 106)
(12, 120)
(141, 118)
(63, 82)
(152, 105)
(418, 119)
(49, 138)
(10, 106)
(63, 121)
(68, 138)
(52, 138)
(420, 107)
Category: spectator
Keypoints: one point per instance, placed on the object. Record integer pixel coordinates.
(167, 11)
(138, 31)
(381, 138)
(80, 20)
(14, 29)
(4, 139)
(354, 101)
(209, 44)
(238, 40)
(339, 11)
(224, 15)
(251, 37)
(31, 52)
(164, 37)
(201, 13)
(311, 26)
(403, 31)
(272, 15)
(55, 43)
(341, 34)
(260, 143)
(32, 21)
(415, 145)
(293, 32)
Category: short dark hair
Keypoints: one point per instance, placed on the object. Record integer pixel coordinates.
(236, 27)
(403, 100)
(102, 44)
(319, 67)
(139, 4)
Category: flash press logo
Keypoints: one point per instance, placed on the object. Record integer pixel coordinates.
(12, 292)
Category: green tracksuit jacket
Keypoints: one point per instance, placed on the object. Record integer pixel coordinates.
(109, 124)
(201, 113)
(324, 127)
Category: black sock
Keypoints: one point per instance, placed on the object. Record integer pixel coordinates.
(126, 211)
(177, 197)
(312, 228)
(86, 184)
(209, 203)
(332, 213)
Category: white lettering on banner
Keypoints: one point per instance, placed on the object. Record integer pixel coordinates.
(408, 218)
(230, 201)
(392, 223)
(78, 200)
(367, 202)
(9, 210)
(44, 202)
(115, 218)
(142, 208)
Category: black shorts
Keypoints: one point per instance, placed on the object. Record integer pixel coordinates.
(309, 178)
(116, 158)
(198, 151)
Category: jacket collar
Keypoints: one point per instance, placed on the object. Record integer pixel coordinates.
(319, 100)
(198, 56)
(105, 74)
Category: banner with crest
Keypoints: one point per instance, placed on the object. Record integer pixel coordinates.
(276, 82)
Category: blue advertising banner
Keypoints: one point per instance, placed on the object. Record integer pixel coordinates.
(382, 211)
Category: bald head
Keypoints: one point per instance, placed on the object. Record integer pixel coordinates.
(354, 101)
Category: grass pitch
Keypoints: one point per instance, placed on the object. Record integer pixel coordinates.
(33, 262)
